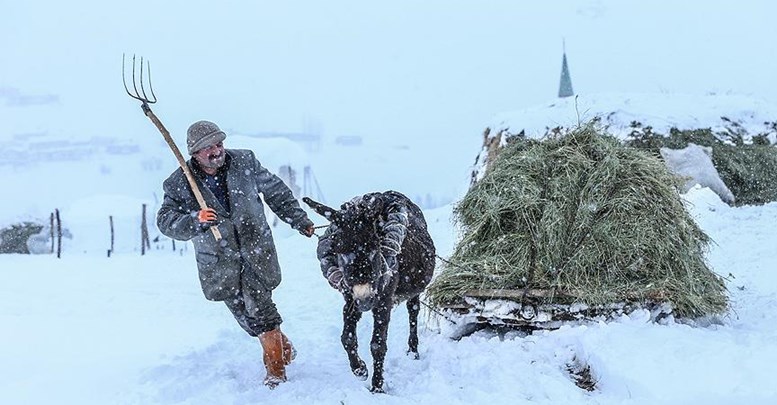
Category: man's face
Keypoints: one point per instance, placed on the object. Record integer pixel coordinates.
(211, 157)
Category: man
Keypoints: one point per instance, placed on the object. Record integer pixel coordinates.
(242, 268)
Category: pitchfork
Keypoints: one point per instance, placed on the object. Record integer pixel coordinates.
(145, 101)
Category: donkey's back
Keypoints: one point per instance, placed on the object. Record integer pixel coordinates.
(417, 257)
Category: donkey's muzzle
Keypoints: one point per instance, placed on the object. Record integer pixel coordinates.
(364, 297)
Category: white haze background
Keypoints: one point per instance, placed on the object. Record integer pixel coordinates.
(407, 78)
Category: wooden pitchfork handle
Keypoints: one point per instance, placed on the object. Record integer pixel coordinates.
(145, 100)
(181, 162)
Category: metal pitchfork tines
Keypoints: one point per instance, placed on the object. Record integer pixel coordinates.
(145, 101)
(139, 95)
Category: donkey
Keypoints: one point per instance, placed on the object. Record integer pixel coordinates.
(373, 280)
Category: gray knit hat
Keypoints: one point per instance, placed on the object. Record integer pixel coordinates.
(202, 134)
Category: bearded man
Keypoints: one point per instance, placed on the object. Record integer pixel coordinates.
(242, 268)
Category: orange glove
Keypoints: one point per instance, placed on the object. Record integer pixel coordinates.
(309, 230)
(207, 216)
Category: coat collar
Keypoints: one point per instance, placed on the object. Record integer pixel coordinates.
(199, 175)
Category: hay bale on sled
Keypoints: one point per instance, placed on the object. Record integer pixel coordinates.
(576, 226)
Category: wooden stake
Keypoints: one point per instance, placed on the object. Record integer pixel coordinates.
(110, 220)
(51, 231)
(59, 233)
(144, 242)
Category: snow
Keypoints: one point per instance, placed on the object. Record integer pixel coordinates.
(419, 88)
(129, 329)
(694, 163)
(662, 111)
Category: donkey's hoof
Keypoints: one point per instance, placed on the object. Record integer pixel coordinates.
(361, 372)
(377, 390)
(413, 355)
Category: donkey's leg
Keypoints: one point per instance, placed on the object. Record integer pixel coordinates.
(351, 316)
(413, 308)
(378, 345)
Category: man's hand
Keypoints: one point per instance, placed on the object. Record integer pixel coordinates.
(207, 216)
(309, 230)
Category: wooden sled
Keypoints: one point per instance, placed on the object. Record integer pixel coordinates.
(525, 310)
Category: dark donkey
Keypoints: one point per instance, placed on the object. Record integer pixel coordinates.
(377, 252)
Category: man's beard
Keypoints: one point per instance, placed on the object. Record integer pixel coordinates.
(214, 161)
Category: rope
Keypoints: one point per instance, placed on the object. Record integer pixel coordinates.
(448, 262)
(438, 312)
(319, 227)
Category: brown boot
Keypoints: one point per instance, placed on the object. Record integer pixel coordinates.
(272, 343)
(289, 352)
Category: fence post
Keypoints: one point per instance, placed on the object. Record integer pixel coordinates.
(110, 220)
(51, 231)
(59, 233)
(144, 241)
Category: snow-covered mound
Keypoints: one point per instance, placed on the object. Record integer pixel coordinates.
(662, 111)
(619, 113)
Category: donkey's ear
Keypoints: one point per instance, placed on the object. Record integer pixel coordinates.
(327, 212)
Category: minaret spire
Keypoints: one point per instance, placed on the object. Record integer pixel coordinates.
(565, 86)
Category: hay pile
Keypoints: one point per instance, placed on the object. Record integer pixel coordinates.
(13, 239)
(587, 218)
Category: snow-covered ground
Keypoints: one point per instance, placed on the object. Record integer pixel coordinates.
(418, 82)
(87, 329)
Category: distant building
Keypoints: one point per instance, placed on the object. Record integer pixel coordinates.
(33, 148)
(122, 149)
(27, 136)
(349, 140)
(311, 142)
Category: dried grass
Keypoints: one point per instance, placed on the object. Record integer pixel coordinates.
(587, 217)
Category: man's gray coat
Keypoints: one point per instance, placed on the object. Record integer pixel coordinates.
(243, 227)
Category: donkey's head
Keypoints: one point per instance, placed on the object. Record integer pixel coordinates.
(356, 244)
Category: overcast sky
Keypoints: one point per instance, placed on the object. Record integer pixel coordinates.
(388, 70)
